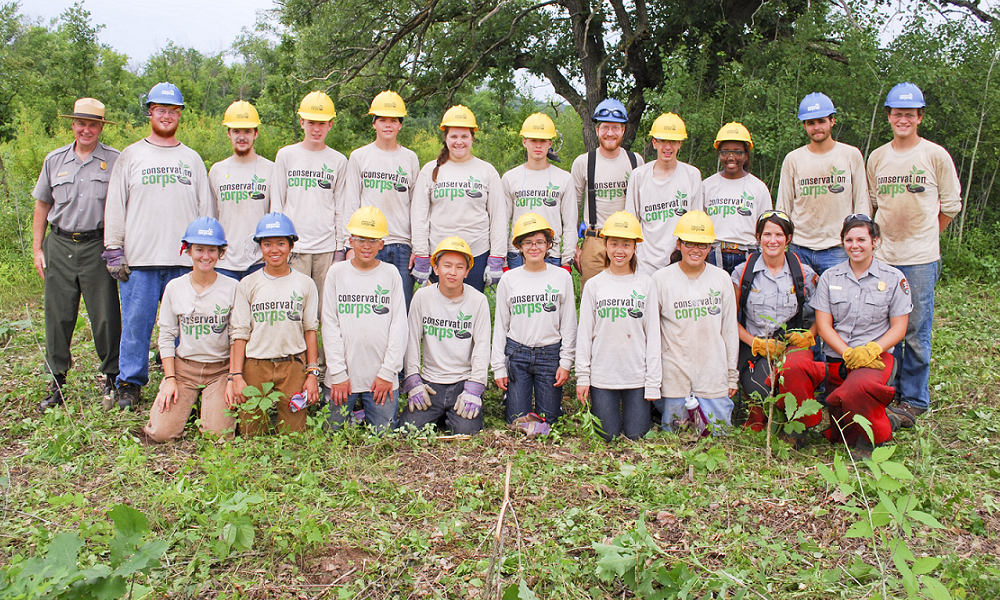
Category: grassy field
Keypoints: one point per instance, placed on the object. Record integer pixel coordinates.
(351, 516)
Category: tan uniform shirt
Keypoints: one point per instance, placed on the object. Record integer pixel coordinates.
(384, 180)
(454, 336)
(364, 325)
(243, 195)
(76, 189)
(819, 190)
(309, 189)
(908, 191)
(153, 195)
(659, 204)
(273, 314)
(199, 322)
(544, 193)
(610, 181)
(734, 206)
(771, 302)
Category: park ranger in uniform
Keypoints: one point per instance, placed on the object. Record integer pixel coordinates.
(70, 196)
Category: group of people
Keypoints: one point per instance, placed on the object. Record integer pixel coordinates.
(692, 289)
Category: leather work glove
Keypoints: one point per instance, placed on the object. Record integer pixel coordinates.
(867, 356)
(421, 269)
(494, 270)
(768, 347)
(801, 339)
(116, 264)
(470, 401)
(531, 425)
(418, 393)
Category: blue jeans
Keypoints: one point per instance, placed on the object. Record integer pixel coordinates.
(398, 255)
(515, 260)
(820, 260)
(914, 353)
(140, 298)
(380, 416)
(475, 275)
(718, 411)
(532, 369)
(621, 410)
(239, 275)
(730, 260)
(443, 409)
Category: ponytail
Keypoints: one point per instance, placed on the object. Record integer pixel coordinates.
(441, 159)
(675, 256)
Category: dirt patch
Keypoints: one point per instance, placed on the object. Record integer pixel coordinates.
(335, 564)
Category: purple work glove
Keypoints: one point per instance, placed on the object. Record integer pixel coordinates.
(494, 270)
(531, 425)
(339, 256)
(116, 264)
(470, 401)
(421, 269)
(418, 393)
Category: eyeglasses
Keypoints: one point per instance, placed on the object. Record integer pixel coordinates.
(159, 111)
(907, 116)
(534, 244)
(698, 245)
(858, 217)
(363, 241)
(609, 112)
(775, 213)
(736, 153)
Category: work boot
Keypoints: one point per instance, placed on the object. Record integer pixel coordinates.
(903, 415)
(108, 391)
(55, 397)
(128, 396)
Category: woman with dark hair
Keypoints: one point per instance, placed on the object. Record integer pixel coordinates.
(862, 307)
(734, 198)
(460, 195)
(772, 288)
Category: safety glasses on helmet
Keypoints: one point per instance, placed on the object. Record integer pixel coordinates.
(775, 213)
(858, 217)
(609, 112)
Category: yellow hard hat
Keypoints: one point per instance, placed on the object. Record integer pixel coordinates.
(317, 106)
(388, 104)
(622, 224)
(669, 126)
(695, 226)
(530, 223)
(368, 222)
(241, 115)
(459, 116)
(452, 244)
(539, 126)
(734, 132)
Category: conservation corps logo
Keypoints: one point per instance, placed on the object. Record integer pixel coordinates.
(663, 211)
(619, 308)
(452, 190)
(364, 304)
(306, 179)
(444, 329)
(724, 207)
(699, 308)
(890, 185)
(237, 192)
(198, 325)
(818, 186)
(164, 176)
(381, 181)
(535, 198)
(533, 304)
(270, 313)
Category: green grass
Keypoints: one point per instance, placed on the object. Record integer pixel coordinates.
(349, 515)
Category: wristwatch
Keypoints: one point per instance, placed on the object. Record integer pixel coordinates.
(313, 372)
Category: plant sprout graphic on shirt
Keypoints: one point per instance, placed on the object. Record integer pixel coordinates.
(636, 313)
(379, 308)
(681, 203)
(914, 187)
(835, 188)
(401, 176)
(223, 313)
(552, 292)
(293, 315)
(184, 169)
(715, 297)
(745, 203)
(472, 192)
(322, 181)
(257, 186)
(550, 197)
(461, 333)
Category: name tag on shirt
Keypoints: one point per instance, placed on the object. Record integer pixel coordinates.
(63, 174)
(836, 287)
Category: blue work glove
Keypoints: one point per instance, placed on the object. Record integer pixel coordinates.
(470, 401)
(494, 270)
(418, 394)
(421, 269)
(116, 264)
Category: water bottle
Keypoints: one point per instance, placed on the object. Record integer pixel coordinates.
(695, 416)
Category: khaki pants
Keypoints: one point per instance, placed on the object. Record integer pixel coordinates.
(190, 377)
(288, 378)
(591, 258)
(315, 266)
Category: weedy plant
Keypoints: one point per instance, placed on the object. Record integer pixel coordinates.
(258, 401)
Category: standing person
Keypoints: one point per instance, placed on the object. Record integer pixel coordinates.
(534, 331)
(194, 340)
(158, 186)
(915, 192)
(698, 335)
(618, 343)
(69, 197)
(364, 327)
(460, 195)
(274, 323)
(241, 185)
(861, 311)
(660, 192)
(448, 346)
(309, 180)
(382, 174)
(821, 183)
(540, 187)
(734, 198)
(599, 180)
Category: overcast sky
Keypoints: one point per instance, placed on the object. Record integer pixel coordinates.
(139, 28)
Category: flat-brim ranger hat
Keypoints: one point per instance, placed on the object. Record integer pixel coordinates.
(90, 109)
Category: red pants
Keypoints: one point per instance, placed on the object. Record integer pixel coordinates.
(801, 378)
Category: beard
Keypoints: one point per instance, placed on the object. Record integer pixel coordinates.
(163, 130)
(242, 153)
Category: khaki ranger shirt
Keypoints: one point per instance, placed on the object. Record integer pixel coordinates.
(76, 189)
(861, 307)
(772, 302)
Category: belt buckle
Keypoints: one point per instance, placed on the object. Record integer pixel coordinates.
(730, 246)
(76, 236)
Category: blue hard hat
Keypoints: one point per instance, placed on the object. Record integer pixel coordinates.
(905, 95)
(815, 106)
(275, 224)
(164, 93)
(205, 230)
(611, 111)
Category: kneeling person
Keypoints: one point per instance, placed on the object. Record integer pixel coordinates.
(450, 321)
(364, 327)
